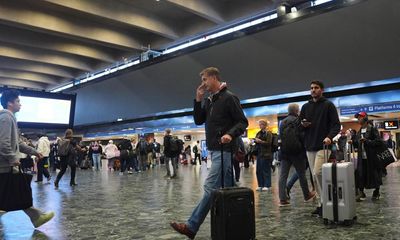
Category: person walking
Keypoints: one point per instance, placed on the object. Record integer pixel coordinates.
(10, 147)
(321, 124)
(224, 122)
(171, 153)
(292, 153)
(67, 149)
(43, 147)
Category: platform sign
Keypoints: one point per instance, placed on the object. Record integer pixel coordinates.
(383, 107)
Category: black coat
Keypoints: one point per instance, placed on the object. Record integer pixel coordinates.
(222, 114)
(369, 171)
(324, 123)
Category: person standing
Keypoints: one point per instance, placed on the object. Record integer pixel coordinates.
(43, 147)
(69, 159)
(171, 153)
(292, 153)
(224, 122)
(263, 142)
(369, 170)
(196, 150)
(141, 150)
(10, 146)
(111, 153)
(321, 124)
(96, 151)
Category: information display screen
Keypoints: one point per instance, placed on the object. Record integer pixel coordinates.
(44, 110)
(391, 125)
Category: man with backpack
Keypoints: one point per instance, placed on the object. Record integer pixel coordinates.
(171, 152)
(141, 150)
(292, 153)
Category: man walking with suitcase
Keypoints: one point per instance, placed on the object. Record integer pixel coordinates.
(321, 124)
(224, 121)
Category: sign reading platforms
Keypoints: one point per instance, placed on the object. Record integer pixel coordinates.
(383, 107)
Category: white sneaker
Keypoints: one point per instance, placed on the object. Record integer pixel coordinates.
(265, 189)
(121, 173)
(259, 189)
(130, 172)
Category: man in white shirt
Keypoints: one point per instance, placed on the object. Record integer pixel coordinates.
(43, 147)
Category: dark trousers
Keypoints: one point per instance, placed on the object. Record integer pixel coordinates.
(236, 166)
(42, 170)
(197, 156)
(299, 163)
(63, 167)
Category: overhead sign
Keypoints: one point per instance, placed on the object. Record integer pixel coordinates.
(390, 125)
(383, 107)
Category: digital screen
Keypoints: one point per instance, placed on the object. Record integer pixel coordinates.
(43, 110)
(187, 138)
(389, 125)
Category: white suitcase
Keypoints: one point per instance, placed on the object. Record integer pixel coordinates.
(338, 193)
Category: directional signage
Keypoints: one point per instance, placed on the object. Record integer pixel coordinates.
(383, 107)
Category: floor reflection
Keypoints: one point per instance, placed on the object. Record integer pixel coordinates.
(139, 206)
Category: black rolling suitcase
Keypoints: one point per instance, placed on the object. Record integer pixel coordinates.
(232, 212)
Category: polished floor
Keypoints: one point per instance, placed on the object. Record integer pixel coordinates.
(140, 206)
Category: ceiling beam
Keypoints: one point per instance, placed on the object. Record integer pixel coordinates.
(28, 76)
(15, 64)
(21, 84)
(43, 57)
(28, 16)
(121, 13)
(44, 41)
(201, 8)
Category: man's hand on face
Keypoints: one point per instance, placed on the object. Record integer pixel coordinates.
(201, 90)
(226, 139)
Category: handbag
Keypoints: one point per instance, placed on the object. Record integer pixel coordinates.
(385, 157)
(15, 191)
(240, 155)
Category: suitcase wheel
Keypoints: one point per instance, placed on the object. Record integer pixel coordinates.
(326, 221)
(348, 222)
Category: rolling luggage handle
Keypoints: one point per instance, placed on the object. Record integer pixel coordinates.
(222, 167)
(332, 188)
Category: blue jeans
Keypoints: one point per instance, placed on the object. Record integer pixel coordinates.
(212, 183)
(263, 172)
(96, 160)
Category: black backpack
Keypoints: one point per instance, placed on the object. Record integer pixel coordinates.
(175, 144)
(195, 149)
(64, 147)
(142, 147)
(290, 139)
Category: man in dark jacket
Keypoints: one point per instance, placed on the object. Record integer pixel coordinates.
(321, 124)
(293, 153)
(263, 142)
(224, 122)
(170, 154)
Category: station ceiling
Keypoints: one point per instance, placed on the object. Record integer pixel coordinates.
(44, 43)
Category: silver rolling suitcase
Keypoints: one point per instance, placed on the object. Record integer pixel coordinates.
(338, 193)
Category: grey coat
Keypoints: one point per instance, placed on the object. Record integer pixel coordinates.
(10, 144)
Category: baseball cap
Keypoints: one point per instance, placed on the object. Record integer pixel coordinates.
(361, 114)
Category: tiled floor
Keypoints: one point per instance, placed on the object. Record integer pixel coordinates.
(140, 206)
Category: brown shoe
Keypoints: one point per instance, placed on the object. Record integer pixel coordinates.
(183, 229)
(311, 196)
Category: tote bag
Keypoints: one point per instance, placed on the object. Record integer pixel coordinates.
(15, 191)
